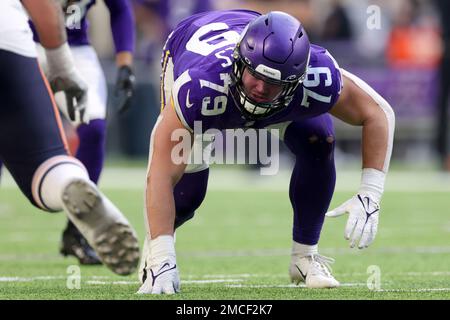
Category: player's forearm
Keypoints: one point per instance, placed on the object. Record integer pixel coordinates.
(49, 22)
(378, 136)
(160, 202)
(160, 205)
(375, 142)
(360, 105)
(164, 173)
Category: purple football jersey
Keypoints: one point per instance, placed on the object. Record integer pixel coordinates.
(201, 48)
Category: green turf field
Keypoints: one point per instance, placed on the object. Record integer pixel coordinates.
(238, 245)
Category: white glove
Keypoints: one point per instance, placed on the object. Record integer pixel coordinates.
(163, 279)
(362, 223)
(63, 76)
(363, 209)
(162, 276)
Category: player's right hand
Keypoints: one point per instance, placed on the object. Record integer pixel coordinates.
(75, 90)
(362, 223)
(124, 88)
(64, 77)
(163, 279)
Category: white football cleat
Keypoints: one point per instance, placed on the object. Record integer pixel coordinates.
(103, 225)
(314, 270)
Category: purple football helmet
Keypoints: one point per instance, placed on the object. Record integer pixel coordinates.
(275, 48)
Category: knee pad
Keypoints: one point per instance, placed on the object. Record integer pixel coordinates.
(319, 145)
(322, 146)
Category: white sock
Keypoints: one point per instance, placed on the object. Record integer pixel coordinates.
(52, 177)
(301, 250)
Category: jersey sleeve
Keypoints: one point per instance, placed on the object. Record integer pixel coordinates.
(336, 76)
(186, 100)
(122, 24)
(323, 84)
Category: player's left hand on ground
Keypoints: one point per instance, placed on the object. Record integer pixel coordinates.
(362, 223)
(162, 279)
(124, 88)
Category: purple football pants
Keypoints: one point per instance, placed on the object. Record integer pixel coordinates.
(311, 186)
(91, 150)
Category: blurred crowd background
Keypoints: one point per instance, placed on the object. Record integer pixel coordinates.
(399, 47)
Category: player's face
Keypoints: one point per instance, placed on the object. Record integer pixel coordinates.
(259, 90)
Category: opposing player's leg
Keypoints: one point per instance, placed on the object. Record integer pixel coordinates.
(91, 148)
(33, 148)
(91, 153)
(92, 137)
(310, 191)
(102, 224)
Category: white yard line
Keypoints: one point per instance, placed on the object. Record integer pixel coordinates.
(221, 276)
(182, 281)
(413, 290)
(112, 282)
(43, 278)
(31, 279)
(286, 285)
(224, 278)
(327, 251)
(210, 281)
(212, 278)
(337, 274)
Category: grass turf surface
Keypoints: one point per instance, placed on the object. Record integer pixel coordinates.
(238, 247)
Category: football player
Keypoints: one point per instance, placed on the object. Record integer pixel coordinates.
(32, 142)
(241, 69)
(91, 136)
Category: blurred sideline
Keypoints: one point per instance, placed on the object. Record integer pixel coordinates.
(240, 179)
